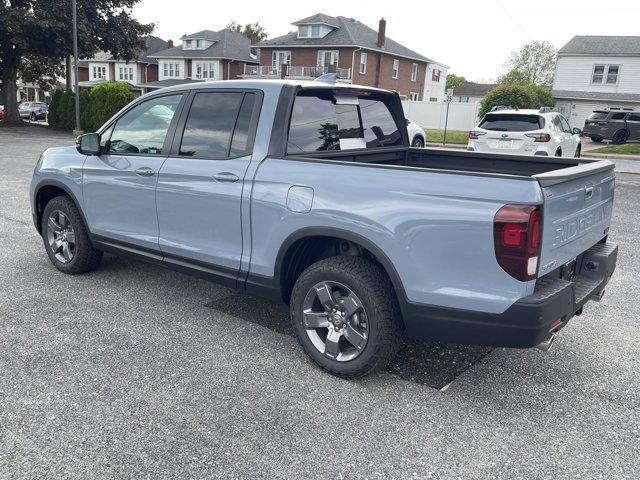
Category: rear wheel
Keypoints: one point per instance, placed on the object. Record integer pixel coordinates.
(558, 153)
(346, 316)
(417, 142)
(596, 139)
(66, 239)
(620, 137)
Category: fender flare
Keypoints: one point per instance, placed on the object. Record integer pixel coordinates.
(61, 186)
(377, 252)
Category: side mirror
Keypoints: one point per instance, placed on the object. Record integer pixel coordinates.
(88, 144)
(576, 131)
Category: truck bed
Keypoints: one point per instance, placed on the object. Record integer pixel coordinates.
(546, 169)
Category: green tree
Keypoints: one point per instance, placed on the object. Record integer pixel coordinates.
(41, 30)
(249, 29)
(107, 99)
(514, 76)
(516, 96)
(454, 81)
(536, 61)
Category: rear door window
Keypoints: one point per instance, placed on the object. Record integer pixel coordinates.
(508, 122)
(211, 122)
(618, 116)
(634, 118)
(324, 121)
(598, 116)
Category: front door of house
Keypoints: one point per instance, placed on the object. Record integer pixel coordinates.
(327, 58)
(280, 58)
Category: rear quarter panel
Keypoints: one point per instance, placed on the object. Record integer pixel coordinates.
(435, 228)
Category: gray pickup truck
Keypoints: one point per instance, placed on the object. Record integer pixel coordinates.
(309, 193)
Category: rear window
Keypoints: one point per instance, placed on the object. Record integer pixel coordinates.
(598, 116)
(507, 122)
(324, 121)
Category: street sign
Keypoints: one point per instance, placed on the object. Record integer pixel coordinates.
(448, 95)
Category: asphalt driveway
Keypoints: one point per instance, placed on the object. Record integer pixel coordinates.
(136, 372)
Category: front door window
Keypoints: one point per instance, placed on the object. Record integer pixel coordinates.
(280, 58)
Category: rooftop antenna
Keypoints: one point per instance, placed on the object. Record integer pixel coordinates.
(331, 78)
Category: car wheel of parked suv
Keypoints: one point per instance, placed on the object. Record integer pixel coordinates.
(33, 117)
(417, 142)
(620, 137)
(346, 316)
(66, 239)
(596, 139)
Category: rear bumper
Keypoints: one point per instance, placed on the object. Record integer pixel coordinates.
(528, 321)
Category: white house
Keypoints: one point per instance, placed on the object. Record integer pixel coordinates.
(434, 82)
(596, 72)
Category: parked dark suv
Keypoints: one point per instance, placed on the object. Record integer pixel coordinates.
(619, 126)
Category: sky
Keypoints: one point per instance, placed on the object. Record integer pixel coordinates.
(474, 38)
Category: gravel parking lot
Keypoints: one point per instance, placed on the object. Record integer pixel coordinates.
(137, 372)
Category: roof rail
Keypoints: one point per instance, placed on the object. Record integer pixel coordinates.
(502, 107)
(547, 109)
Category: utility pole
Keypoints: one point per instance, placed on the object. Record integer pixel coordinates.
(75, 66)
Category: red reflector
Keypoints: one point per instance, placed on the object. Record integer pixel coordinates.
(555, 324)
(516, 238)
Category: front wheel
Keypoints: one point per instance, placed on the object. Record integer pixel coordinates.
(620, 137)
(66, 239)
(417, 142)
(33, 117)
(346, 316)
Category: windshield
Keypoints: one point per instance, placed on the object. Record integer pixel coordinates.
(511, 122)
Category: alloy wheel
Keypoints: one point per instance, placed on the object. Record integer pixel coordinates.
(61, 236)
(335, 321)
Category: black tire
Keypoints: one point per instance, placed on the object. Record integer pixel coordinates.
(558, 153)
(85, 257)
(596, 139)
(33, 117)
(578, 151)
(375, 291)
(418, 142)
(620, 137)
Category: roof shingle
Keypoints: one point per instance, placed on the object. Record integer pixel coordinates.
(601, 45)
(347, 32)
(229, 44)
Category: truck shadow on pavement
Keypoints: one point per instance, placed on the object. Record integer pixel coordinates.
(431, 364)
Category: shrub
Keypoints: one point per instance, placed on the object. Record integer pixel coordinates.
(517, 96)
(96, 106)
(106, 100)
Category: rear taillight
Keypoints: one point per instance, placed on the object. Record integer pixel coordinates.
(474, 135)
(539, 137)
(516, 238)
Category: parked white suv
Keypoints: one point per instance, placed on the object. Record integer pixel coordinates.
(525, 132)
(417, 136)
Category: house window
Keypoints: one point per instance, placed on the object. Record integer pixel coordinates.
(464, 99)
(605, 74)
(189, 43)
(327, 57)
(414, 72)
(280, 57)
(413, 96)
(363, 63)
(204, 70)
(198, 43)
(433, 99)
(435, 75)
(396, 68)
(315, 31)
(303, 31)
(309, 31)
(99, 72)
(172, 69)
(125, 73)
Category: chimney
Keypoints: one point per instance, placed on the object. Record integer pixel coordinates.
(254, 40)
(382, 26)
(169, 43)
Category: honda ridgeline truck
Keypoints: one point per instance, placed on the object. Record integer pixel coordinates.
(309, 193)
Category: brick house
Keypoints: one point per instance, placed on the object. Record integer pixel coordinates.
(103, 67)
(356, 52)
(205, 55)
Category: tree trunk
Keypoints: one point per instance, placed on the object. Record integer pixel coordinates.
(10, 90)
(67, 67)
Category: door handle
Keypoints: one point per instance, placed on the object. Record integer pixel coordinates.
(145, 172)
(226, 177)
(588, 192)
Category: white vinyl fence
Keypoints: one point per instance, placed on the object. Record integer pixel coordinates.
(462, 116)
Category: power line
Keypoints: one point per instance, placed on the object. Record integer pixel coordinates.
(515, 22)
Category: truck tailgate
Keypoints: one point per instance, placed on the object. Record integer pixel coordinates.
(578, 202)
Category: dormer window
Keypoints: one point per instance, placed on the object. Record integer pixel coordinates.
(309, 31)
(194, 44)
